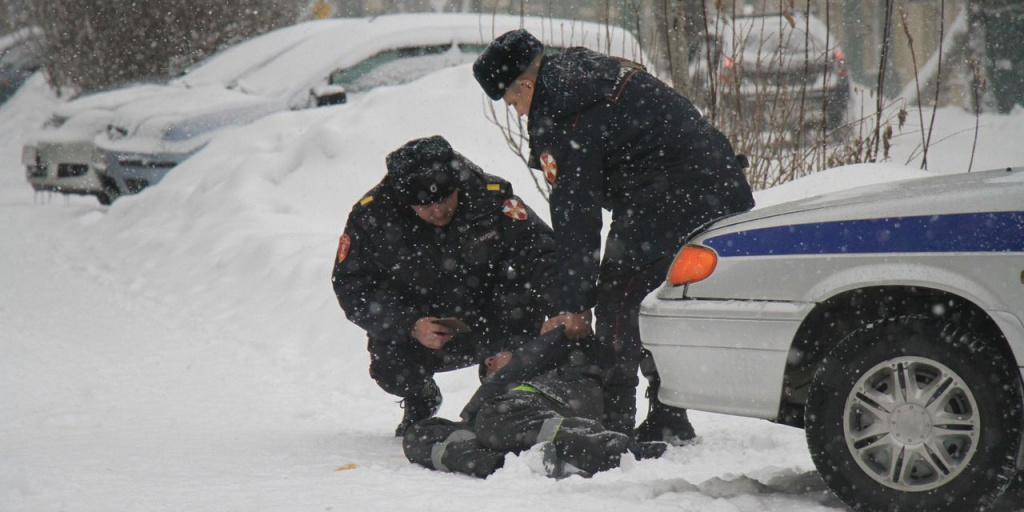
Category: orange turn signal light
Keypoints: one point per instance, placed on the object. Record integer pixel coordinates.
(692, 264)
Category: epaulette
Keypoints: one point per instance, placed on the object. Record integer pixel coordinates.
(367, 199)
(497, 187)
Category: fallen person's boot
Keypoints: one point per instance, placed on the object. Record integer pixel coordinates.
(588, 449)
(648, 449)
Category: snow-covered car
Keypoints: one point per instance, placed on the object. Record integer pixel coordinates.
(57, 156)
(885, 320)
(19, 58)
(774, 66)
(150, 137)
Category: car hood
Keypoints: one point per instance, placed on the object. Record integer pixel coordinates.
(184, 115)
(994, 190)
(109, 100)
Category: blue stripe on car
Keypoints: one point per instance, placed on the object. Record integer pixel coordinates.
(962, 232)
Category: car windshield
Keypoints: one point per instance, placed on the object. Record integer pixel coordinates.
(403, 65)
(775, 35)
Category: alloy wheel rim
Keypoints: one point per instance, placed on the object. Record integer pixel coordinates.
(911, 424)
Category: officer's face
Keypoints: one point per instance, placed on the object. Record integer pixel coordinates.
(439, 213)
(519, 95)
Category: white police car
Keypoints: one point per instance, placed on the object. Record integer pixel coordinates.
(886, 321)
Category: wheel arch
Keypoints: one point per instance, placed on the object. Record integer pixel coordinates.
(835, 317)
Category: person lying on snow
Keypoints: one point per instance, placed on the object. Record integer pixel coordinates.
(538, 391)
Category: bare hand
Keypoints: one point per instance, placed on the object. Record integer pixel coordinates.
(432, 334)
(577, 325)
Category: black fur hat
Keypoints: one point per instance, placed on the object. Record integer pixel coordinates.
(504, 60)
(424, 171)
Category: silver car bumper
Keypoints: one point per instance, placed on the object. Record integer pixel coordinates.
(721, 356)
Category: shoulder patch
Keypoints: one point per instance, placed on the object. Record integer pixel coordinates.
(366, 200)
(344, 243)
(494, 187)
(514, 208)
(549, 166)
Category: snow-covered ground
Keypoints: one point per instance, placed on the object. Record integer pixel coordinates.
(182, 350)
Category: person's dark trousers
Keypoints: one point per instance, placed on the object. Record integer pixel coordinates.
(444, 445)
(525, 417)
(404, 367)
(618, 314)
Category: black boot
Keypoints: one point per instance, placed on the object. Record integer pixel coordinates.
(582, 446)
(664, 423)
(647, 450)
(419, 406)
(469, 458)
(620, 409)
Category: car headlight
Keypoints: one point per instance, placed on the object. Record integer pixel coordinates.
(116, 132)
(692, 264)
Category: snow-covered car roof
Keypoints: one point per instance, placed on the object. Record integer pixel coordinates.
(763, 35)
(296, 70)
(226, 66)
(285, 81)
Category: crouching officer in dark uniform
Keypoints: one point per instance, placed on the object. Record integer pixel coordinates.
(607, 134)
(436, 262)
(547, 392)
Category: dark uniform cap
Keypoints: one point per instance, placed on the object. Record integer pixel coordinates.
(504, 60)
(424, 171)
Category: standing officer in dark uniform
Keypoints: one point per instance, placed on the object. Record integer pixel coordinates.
(437, 262)
(609, 135)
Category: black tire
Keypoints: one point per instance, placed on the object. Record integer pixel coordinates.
(910, 394)
(1013, 499)
(110, 191)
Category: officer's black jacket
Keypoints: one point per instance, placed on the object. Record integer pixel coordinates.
(553, 366)
(483, 267)
(608, 134)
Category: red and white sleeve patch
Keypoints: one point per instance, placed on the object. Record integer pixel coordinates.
(514, 209)
(344, 243)
(549, 166)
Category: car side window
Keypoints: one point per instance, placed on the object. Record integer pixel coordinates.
(403, 65)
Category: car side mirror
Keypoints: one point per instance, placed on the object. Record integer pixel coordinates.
(329, 95)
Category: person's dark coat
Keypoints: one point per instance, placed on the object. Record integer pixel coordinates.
(608, 134)
(483, 267)
(562, 371)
